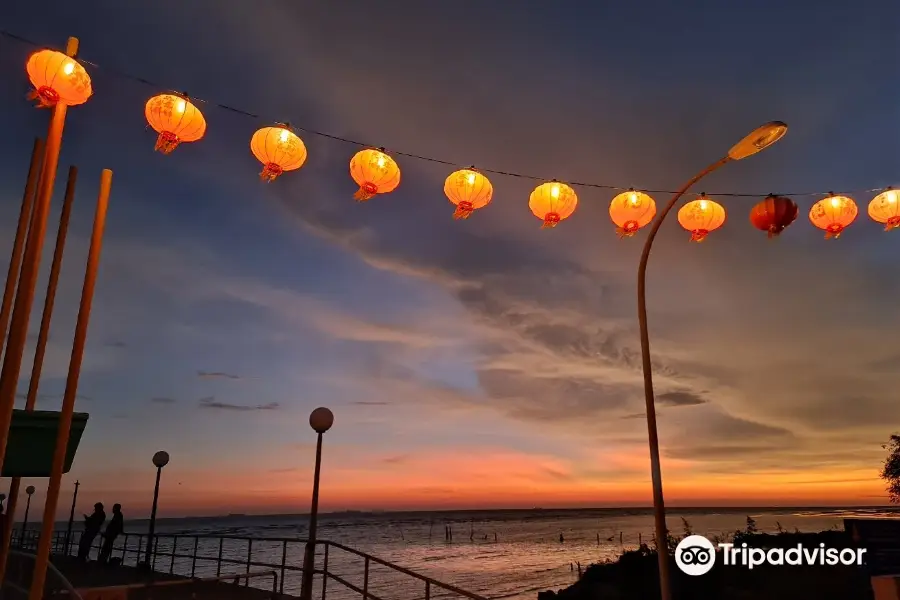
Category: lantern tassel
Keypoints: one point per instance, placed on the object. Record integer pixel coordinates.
(550, 220)
(774, 231)
(166, 142)
(892, 223)
(698, 235)
(270, 172)
(624, 233)
(46, 97)
(463, 210)
(365, 192)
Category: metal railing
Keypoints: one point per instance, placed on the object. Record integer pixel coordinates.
(206, 556)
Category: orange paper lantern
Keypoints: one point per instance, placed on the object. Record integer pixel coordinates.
(469, 190)
(701, 217)
(374, 172)
(833, 214)
(57, 77)
(552, 202)
(175, 119)
(773, 214)
(630, 211)
(278, 149)
(885, 208)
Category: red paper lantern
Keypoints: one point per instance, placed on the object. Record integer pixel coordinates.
(773, 214)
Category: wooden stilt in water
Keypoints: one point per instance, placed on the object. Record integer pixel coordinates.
(68, 405)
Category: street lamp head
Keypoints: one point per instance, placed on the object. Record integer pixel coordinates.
(160, 459)
(321, 419)
(758, 140)
(29, 490)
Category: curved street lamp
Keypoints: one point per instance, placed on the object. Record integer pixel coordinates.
(756, 141)
(160, 459)
(321, 420)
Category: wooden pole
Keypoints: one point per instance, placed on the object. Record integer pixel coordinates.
(15, 261)
(68, 406)
(18, 331)
(43, 334)
(12, 279)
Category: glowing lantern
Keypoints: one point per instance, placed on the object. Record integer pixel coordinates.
(833, 214)
(57, 77)
(278, 149)
(175, 119)
(469, 190)
(701, 217)
(552, 202)
(773, 214)
(885, 208)
(630, 211)
(374, 172)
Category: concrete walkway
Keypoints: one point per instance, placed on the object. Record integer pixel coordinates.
(100, 582)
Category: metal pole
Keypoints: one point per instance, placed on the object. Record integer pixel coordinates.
(152, 530)
(18, 330)
(15, 261)
(27, 508)
(44, 331)
(12, 279)
(72, 518)
(68, 405)
(310, 555)
(659, 507)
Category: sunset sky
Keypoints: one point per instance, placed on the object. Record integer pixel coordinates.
(479, 363)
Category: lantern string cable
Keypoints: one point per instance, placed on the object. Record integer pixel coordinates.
(431, 159)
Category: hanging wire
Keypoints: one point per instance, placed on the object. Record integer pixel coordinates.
(431, 159)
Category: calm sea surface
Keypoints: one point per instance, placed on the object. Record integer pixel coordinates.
(499, 554)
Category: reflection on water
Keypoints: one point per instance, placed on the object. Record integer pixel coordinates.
(525, 558)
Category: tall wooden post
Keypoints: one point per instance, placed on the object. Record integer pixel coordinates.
(43, 334)
(15, 261)
(18, 331)
(68, 407)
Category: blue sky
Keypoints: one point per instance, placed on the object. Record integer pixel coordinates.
(483, 362)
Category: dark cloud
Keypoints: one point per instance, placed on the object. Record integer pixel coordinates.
(162, 400)
(395, 460)
(116, 344)
(217, 375)
(776, 347)
(212, 403)
(680, 399)
(285, 470)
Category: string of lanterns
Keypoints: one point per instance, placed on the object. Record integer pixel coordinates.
(57, 77)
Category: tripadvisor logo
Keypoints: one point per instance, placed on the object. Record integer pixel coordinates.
(696, 555)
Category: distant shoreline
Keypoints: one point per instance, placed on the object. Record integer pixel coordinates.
(513, 512)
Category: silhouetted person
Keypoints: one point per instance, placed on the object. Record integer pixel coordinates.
(92, 526)
(113, 530)
(561, 538)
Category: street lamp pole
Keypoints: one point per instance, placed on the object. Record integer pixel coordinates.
(756, 141)
(71, 517)
(29, 490)
(321, 421)
(160, 459)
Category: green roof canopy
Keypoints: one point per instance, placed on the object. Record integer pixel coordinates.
(32, 441)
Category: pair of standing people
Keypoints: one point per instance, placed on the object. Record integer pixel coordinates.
(92, 525)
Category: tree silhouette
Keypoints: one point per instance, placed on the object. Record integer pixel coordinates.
(891, 470)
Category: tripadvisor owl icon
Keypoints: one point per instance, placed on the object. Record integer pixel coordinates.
(695, 555)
